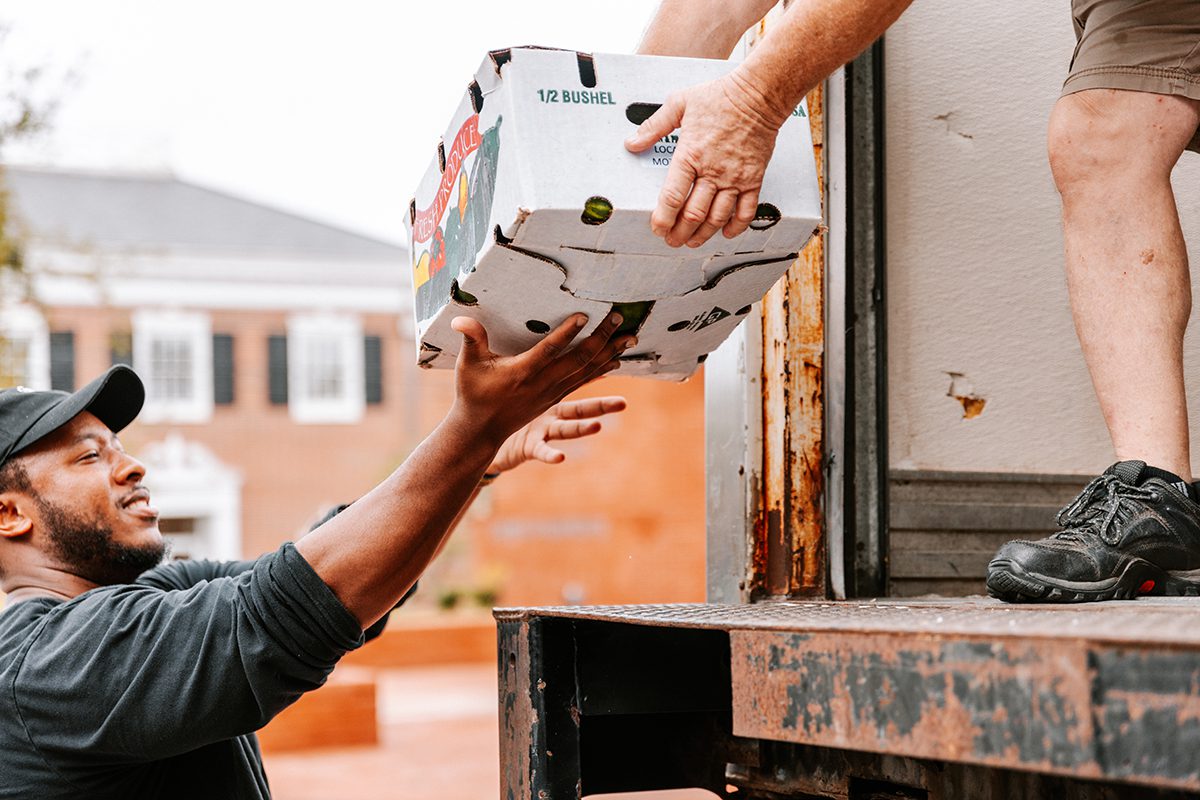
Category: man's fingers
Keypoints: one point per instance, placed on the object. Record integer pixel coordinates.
(546, 453)
(475, 339)
(590, 407)
(674, 194)
(584, 353)
(556, 341)
(747, 207)
(657, 125)
(694, 212)
(572, 429)
(596, 371)
(608, 359)
(722, 210)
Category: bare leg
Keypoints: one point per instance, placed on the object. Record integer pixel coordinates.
(1112, 153)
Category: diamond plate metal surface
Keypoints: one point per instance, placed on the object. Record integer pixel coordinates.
(1158, 621)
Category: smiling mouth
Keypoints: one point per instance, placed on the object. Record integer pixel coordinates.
(138, 504)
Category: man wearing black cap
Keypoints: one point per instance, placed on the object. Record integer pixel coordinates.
(118, 682)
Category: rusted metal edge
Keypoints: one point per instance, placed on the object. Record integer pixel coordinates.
(1065, 707)
(1159, 625)
(789, 552)
(952, 476)
(519, 719)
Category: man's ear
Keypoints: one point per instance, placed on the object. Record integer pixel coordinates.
(13, 519)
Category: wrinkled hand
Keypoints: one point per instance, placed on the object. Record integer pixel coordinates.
(496, 396)
(726, 137)
(570, 419)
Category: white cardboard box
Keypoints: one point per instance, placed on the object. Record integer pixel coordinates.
(510, 223)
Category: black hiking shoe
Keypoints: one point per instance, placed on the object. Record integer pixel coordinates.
(1124, 535)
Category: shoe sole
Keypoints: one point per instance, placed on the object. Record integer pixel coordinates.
(1010, 582)
(1182, 583)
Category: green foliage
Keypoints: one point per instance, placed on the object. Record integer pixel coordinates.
(452, 598)
(448, 599)
(24, 113)
(10, 248)
(24, 109)
(486, 596)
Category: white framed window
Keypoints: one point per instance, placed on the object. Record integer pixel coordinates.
(325, 369)
(172, 352)
(24, 348)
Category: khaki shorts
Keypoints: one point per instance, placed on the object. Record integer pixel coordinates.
(1140, 45)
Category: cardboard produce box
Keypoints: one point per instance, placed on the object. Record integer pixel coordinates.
(533, 210)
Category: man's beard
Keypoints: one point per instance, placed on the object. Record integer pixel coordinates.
(87, 547)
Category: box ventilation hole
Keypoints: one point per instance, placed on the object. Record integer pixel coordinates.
(441, 156)
(742, 311)
(537, 326)
(637, 113)
(587, 69)
(500, 58)
(678, 326)
(633, 315)
(461, 297)
(476, 96)
(596, 211)
(765, 216)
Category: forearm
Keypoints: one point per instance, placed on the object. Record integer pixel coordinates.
(813, 39)
(462, 512)
(372, 552)
(700, 28)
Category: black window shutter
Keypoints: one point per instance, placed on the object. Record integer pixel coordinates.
(373, 369)
(222, 355)
(277, 369)
(120, 348)
(62, 360)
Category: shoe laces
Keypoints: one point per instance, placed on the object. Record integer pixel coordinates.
(1105, 500)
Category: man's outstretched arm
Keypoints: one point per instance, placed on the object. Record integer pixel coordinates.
(727, 127)
(372, 552)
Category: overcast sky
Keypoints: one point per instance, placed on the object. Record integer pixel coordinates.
(328, 109)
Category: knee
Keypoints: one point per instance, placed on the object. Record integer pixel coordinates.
(1081, 143)
(1098, 135)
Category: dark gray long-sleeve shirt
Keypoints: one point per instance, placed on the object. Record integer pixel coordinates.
(154, 689)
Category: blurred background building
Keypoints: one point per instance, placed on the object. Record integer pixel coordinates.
(280, 371)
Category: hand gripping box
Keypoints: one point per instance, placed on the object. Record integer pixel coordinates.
(533, 210)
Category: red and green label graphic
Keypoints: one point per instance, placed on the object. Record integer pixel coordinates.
(450, 231)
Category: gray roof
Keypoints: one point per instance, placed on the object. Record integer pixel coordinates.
(161, 212)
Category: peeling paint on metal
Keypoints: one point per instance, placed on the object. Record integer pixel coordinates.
(518, 717)
(972, 406)
(1060, 706)
(930, 698)
(793, 326)
(962, 390)
(1148, 713)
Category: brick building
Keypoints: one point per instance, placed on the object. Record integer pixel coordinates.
(278, 359)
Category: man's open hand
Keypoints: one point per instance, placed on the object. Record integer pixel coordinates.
(496, 396)
(726, 137)
(570, 419)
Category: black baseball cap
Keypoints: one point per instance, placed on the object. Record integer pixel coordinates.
(27, 415)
